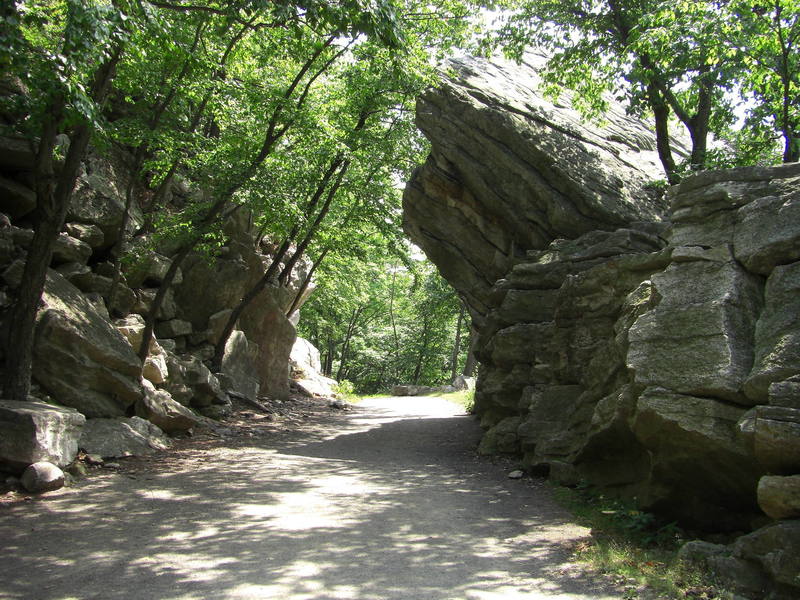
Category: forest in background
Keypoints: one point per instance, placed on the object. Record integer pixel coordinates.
(302, 112)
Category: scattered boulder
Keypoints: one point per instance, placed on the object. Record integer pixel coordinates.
(305, 357)
(462, 382)
(779, 496)
(173, 328)
(31, 432)
(17, 154)
(116, 438)
(90, 234)
(42, 477)
(68, 249)
(306, 376)
(414, 390)
(776, 548)
(216, 323)
(144, 299)
(150, 271)
(158, 407)
(736, 574)
(155, 367)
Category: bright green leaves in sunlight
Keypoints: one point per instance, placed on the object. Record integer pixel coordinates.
(378, 324)
(688, 64)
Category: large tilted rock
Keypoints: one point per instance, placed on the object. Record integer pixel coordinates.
(510, 171)
(33, 431)
(79, 357)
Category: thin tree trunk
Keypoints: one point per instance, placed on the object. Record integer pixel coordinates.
(306, 282)
(422, 351)
(327, 368)
(457, 344)
(471, 362)
(351, 329)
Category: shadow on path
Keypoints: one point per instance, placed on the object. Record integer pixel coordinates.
(383, 504)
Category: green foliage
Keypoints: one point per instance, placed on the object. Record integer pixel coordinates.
(683, 62)
(464, 398)
(346, 390)
(378, 323)
(634, 547)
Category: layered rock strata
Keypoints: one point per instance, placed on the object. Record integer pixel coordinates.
(647, 346)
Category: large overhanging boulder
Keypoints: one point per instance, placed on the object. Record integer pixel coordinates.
(509, 171)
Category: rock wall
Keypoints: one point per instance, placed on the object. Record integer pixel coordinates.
(646, 345)
(85, 349)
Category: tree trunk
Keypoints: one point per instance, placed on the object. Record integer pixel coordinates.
(661, 115)
(327, 367)
(351, 329)
(457, 344)
(471, 362)
(306, 282)
(698, 128)
(423, 351)
(53, 196)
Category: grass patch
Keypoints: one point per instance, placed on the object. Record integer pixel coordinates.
(635, 548)
(464, 398)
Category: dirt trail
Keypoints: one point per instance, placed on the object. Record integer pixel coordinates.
(386, 501)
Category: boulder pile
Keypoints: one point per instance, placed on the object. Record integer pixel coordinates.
(90, 390)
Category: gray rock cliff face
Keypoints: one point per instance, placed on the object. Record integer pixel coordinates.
(646, 345)
(495, 184)
(85, 349)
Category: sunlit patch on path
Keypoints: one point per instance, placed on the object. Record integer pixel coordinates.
(387, 501)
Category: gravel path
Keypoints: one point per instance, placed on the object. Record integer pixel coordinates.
(386, 501)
